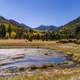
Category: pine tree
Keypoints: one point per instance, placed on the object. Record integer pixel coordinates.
(9, 30)
(3, 31)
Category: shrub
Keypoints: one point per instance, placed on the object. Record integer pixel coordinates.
(33, 67)
(77, 41)
(63, 41)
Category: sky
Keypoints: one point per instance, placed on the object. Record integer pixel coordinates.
(40, 12)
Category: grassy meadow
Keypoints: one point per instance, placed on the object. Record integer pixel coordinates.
(55, 72)
(66, 74)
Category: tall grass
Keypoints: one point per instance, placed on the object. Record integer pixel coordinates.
(66, 74)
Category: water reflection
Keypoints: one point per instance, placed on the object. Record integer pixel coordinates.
(28, 56)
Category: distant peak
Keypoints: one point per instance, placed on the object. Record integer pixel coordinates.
(1, 17)
(78, 18)
(46, 27)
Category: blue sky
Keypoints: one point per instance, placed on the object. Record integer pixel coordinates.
(39, 12)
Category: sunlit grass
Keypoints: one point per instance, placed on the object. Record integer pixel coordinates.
(43, 74)
(66, 74)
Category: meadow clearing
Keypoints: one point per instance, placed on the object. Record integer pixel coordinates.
(49, 72)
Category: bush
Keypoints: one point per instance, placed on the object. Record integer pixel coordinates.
(63, 41)
(22, 69)
(33, 67)
(77, 41)
(67, 41)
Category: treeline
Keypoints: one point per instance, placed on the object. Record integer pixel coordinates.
(9, 32)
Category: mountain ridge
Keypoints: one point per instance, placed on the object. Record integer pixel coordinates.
(46, 27)
(69, 26)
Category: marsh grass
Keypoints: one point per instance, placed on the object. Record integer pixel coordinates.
(44, 73)
(66, 74)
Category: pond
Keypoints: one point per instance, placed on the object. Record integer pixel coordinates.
(21, 57)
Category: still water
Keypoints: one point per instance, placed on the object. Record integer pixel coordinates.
(21, 57)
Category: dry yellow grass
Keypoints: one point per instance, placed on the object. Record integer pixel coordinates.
(25, 43)
(64, 74)
(16, 43)
(37, 43)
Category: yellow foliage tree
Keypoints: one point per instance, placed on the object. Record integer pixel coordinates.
(7, 35)
(13, 35)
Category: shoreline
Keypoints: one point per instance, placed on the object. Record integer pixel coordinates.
(52, 45)
(63, 69)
